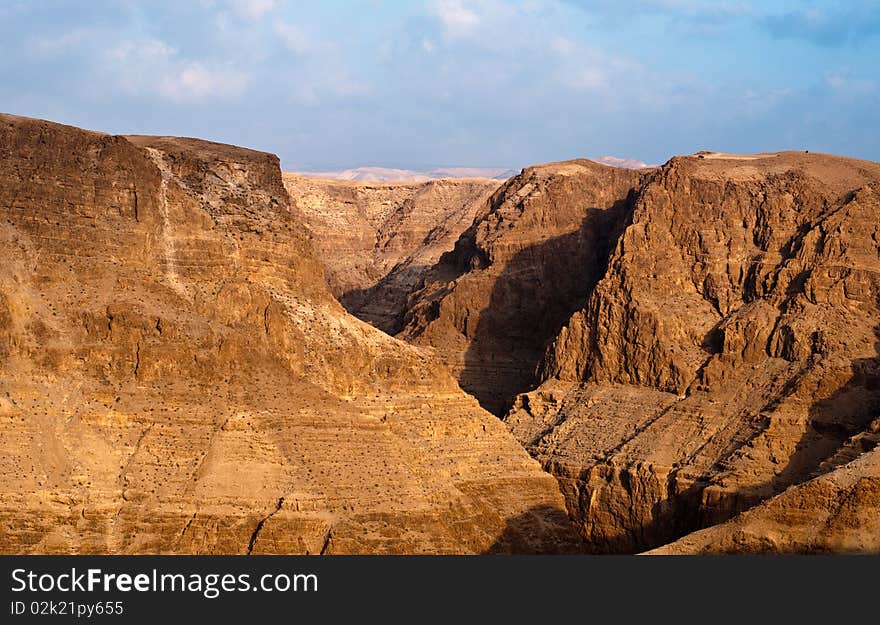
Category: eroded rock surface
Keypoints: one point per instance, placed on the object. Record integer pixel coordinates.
(686, 347)
(702, 336)
(490, 306)
(175, 376)
(376, 240)
(729, 352)
(838, 512)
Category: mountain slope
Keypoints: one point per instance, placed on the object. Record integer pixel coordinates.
(377, 240)
(838, 512)
(175, 376)
(730, 350)
(515, 276)
(719, 341)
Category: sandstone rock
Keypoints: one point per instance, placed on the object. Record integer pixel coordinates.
(729, 352)
(516, 275)
(376, 241)
(838, 512)
(702, 336)
(686, 347)
(175, 376)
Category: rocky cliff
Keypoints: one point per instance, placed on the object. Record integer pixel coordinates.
(729, 352)
(175, 376)
(691, 351)
(838, 512)
(490, 306)
(711, 332)
(377, 240)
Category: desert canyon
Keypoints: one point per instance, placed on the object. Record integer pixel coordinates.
(200, 353)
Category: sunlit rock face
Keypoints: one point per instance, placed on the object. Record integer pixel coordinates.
(175, 376)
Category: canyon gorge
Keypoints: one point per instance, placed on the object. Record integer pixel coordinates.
(202, 354)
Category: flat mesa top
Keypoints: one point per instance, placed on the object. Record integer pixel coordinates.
(736, 157)
(839, 173)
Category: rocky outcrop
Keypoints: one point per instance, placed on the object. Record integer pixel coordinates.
(835, 513)
(729, 352)
(490, 306)
(175, 376)
(376, 241)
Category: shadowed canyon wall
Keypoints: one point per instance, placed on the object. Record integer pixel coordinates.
(376, 241)
(490, 306)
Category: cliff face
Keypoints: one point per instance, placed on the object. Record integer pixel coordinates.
(377, 240)
(176, 378)
(838, 512)
(729, 352)
(490, 306)
(693, 346)
(702, 336)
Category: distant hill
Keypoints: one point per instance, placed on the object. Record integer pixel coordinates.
(626, 163)
(385, 174)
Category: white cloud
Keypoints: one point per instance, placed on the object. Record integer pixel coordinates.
(318, 70)
(293, 38)
(253, 9)
(151, 66)
(195, 80)
(319, 81)
(476, 49)
(702, 9)
(563, 46)
(586, 78)
(846, 83)
(144, 51)
(456, 18)
(53, 46)
(582, 68)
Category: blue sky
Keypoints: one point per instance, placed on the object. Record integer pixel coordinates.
(426, 83)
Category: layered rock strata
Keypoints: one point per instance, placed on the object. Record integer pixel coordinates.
(376, 241)
(490, 306)
(720, 343)
(175, 376)
(730, 351)
(838, 512)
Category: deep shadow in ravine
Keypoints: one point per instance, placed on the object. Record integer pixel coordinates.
(540, 530)
(532, 299)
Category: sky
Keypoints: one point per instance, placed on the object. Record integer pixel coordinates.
(437, 83)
